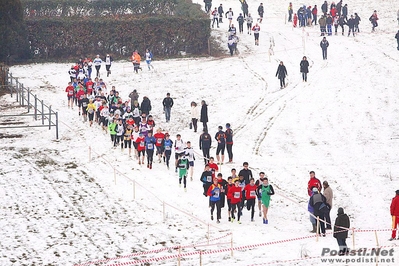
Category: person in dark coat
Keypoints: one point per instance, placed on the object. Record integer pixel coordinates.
(304, 69)
(281, 74)
(167, 106)
(345, 11)
(205, 142)
(340, 233)
(146, 106)
(318, 202)
(397, 38)
(351, 24)
(204, 114)
(357, 21)
(324, 45)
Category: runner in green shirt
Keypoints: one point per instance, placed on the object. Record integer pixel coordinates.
(265, 191)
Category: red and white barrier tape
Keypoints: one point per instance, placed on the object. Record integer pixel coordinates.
(199, 244)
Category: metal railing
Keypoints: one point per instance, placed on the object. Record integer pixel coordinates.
(25, 97)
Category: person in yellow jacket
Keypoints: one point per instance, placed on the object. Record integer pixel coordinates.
(91, 109)
(136, 58)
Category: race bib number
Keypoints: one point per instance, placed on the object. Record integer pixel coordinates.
(217, 193)
(159, 141)
(252, 194)
(141, 143)
(150, 146)
(209, 178)
(167, 148)
(237, 195)
(91, 111)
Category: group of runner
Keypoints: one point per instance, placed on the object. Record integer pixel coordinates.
(130, 124)
(239, 191)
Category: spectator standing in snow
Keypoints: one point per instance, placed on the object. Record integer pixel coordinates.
(329, 21)
(311, 217)
(373, 19)
(324, 7)
(314, 14)
(322, 23)
(304, 68)
(194, 115)
(328, 193)
(397, 38)
(244, 7)
(313, 182)
(295, 22)
(249, 20)
(167, 106)
(340, 233)
(97, 64)
(290, 11)
(357, 21)
(221, 12)
(208, 5)
(318, 202)
(395, 214)
(260, 12)
(108, 61)
(148, 59)
(345, 11)
(240, 20)
(204, 114)
(281, 74)
(340, 22)
(324, 45)
(351, 24)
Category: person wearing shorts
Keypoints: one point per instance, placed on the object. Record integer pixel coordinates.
(250, 196)
(266, 191)
(221, 139)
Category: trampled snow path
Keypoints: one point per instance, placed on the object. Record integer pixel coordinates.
(342, 124)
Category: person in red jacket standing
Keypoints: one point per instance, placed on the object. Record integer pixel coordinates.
(236, 196)
(395, 214)
(313, 182)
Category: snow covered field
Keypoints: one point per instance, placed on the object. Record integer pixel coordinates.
(61, 208)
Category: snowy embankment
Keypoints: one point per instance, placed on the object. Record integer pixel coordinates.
(61, 207)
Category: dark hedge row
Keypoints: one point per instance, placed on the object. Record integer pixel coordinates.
(67, 8)
(57, 38)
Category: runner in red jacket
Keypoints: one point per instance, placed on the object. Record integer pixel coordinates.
(229, 195)
(141, 147)
(250, 196)
(395, 214)
(236, 196)
(70, 90)
(159, 137)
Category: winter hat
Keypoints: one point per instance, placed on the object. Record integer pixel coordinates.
(340, 210)
(315, 190)
(228, 125)
(397, 192)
